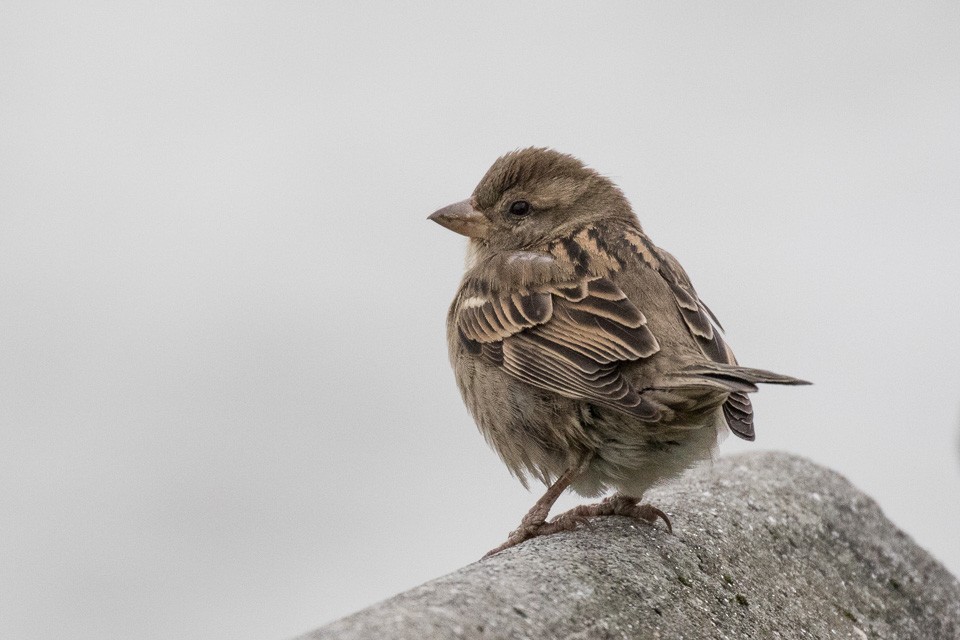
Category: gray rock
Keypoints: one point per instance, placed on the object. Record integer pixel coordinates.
(765, 545)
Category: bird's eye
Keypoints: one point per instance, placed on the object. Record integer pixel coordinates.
(520, 208)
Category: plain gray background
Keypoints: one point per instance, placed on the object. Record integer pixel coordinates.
(225, 404)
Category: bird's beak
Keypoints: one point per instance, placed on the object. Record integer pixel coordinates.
(463, 218)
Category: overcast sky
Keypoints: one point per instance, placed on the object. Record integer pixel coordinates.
(225, 404)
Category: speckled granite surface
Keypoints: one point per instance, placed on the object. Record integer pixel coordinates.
(765, 545)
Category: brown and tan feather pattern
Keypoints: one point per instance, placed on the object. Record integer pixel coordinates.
(574, 336)
(569, 338)
(703, 324)
(581, 349)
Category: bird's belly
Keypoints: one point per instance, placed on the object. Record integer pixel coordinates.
(634, 459)
(540, 434)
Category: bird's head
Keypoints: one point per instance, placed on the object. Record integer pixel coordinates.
(531, 197)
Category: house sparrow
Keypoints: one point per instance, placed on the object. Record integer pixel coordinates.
(580, 348)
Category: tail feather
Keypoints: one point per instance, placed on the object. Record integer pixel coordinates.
(748, 375)
(738, 413)
(740, 381)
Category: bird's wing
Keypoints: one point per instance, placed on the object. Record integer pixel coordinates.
(700, 321)
(570, 338)
(706, 329)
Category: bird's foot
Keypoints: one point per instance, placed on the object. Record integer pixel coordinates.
(534, 524)
(617, 505)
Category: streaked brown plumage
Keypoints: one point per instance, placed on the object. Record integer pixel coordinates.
(581, 348)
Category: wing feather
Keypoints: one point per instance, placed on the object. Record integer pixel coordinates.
(571, 338)
(705, 328)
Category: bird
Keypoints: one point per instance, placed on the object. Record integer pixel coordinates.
(580, 348)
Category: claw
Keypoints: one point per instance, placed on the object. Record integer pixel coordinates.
(534, 523)
(564, 522)
(650, 513)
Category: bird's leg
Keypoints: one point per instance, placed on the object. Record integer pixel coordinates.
(616, 505)
(535, 522)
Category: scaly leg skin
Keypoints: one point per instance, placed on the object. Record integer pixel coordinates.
(535, 522)
(616, 505)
